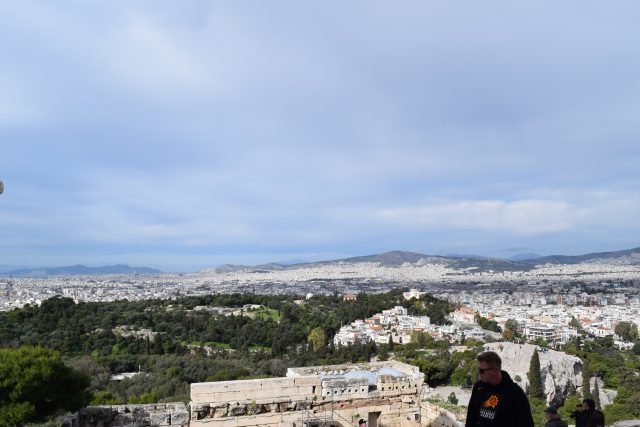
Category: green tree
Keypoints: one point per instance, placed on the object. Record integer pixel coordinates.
(575, 323)
(535, 381)
(596, 393)
(510, 330)
(317, 338)
(623, 330)
(617, 412)
(453, 399)
(383, 353)
(35, 384)
(490, 325)
(508, 335)
(537, 410)
(586, 374)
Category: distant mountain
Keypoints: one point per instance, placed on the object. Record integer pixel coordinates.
(232, 268)
(293, 261)
(4, 268)
(630, 254)
(521, 262)
(525, 256)
(397, 258)
(79, 269)
(387, 258)
(454, 255)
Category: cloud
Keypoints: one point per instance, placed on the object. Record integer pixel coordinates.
(522, 217)
(153, 59)
(332, 128)
(526, 217)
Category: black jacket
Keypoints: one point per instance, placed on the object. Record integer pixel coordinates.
(556, 423)
(502, 405)
(582, 417)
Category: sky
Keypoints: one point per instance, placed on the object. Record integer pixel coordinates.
(184, 135)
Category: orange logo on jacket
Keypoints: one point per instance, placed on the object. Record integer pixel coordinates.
(491, 402)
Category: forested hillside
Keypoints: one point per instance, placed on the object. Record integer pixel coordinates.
(173, 345)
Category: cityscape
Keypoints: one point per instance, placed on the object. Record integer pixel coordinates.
(546, 304)
(319, 214)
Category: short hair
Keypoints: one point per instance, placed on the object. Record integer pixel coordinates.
(590, 403)
(491, 358)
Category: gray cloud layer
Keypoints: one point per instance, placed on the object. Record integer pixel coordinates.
(256, 131)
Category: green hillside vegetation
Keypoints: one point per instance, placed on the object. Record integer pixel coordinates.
(193, 346)
(264, 313)
(35, 384)
(618, 369)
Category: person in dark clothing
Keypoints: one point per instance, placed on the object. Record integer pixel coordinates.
(553, 419)
(596, 420)
(496, 400)
(583, 414)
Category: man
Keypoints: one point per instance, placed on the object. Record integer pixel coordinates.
(553, 419)
(362, 422)
(585, 412)
(495, 399)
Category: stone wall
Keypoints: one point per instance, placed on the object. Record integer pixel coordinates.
(383, 392)
(270, 401)
(435, 416)
(158, 414)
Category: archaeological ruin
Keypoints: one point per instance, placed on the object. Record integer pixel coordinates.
(386, 394)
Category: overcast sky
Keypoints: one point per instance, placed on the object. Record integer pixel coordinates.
(187, 134)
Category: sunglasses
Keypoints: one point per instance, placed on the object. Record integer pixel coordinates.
(483, 370)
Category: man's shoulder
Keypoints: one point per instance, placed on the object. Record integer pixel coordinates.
(514, 387)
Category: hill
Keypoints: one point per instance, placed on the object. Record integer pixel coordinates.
(629, 255)
(80, 270)
(522, 262)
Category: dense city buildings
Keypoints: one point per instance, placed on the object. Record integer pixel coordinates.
(545, 301)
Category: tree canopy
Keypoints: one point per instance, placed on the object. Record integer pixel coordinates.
(535, 381)
(35, 383)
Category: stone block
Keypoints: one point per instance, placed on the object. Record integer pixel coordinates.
(160, 419)
(237, 410)
(232, 396)
(308, 381)
(292, 392)
(226, 386)
(229, 422)
(180, 418)
(202, 398)
(272, 383)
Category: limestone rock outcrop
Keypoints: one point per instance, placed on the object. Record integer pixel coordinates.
(561, 373)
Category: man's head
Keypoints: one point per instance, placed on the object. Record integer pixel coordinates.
(589, 405)
(362, 422)
(489, 366)
(551, 412)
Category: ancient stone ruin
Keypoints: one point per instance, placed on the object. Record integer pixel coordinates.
(157, 414)
(386, 394)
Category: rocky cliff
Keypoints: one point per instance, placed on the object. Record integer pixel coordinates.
(560, 372)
